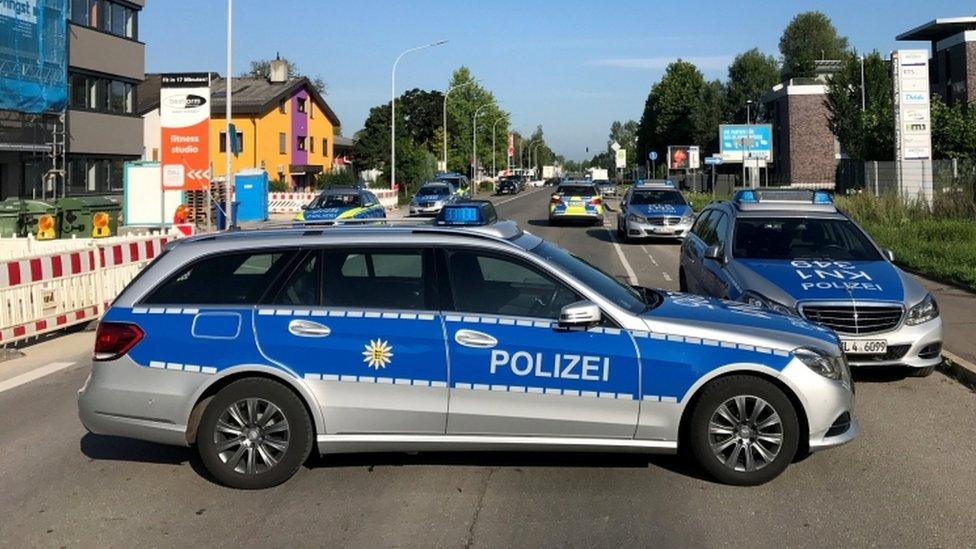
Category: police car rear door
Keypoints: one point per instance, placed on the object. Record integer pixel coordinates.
(515, 372)
(357, 324)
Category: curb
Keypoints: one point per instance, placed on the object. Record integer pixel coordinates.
(959, 368)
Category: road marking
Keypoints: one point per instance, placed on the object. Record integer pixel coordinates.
(667, 277)
(620, 254)
(34, 375)
(646, 251)
(507, 200)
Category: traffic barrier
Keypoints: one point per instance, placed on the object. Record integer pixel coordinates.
(293, 202)
(60, 288)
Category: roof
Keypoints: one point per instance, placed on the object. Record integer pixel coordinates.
(937, 29)
(252, 95)
(343, 141)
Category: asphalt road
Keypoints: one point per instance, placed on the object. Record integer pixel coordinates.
(909, 480)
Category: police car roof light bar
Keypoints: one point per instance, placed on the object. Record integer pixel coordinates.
(471, 213)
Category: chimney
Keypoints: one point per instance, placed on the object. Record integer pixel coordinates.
(278, 74)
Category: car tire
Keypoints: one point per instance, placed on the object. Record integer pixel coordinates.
(747, 454)
(287, 441)
(921, 372)
(682, 281)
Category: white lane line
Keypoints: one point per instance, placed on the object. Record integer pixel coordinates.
(34, 375)
(667, 277)
(620, 254)
(646, 251)
(516, 197)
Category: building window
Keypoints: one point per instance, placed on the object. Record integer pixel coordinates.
(78, 98)
(300, 102)
(93, 174)
(106, 16)
(281, 106)
(282, 143)
(311, 145)
(325, 146)
(93, 93)
(223, 141)
(301, 142)
(311, 110)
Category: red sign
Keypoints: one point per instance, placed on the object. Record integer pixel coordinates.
(184, 105)
(511, 145)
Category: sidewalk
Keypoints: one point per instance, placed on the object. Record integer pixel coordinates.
(958, 309)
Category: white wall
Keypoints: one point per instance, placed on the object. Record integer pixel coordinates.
(150, 135)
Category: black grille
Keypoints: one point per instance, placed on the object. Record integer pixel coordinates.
(840, 425)
(930, 351)
(855, 320)
(660, 221)
(894, 352)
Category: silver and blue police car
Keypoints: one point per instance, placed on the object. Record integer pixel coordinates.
(342, 204)
(655, 209)
(258, 347)
(431, 197)
(795, 253)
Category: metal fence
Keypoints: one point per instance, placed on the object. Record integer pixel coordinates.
(951, 179)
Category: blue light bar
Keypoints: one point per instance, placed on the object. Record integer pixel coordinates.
(822, 197)
(745, 197)
(471, 213)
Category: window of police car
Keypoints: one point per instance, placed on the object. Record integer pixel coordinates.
(238, 278)
(791, 238)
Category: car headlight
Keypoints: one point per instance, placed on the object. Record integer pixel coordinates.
(688, 218)
(923, 311)
(830, 366)
(762, 302)
(636, 218)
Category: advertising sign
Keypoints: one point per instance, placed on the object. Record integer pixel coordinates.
(511, 145)
(738, 141)
(683, 157)
(621, 157)
(913, 131)
(33, 55)
(184, 105)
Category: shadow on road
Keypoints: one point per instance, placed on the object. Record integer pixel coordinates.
(880, 374)
(108, 448)
(603, 235)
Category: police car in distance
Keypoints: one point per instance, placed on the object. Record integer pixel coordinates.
(431, 197)
(607, 188)
(576, 200)
(795, 253)
(464, 333)
(655, 209)
(459, 182)
(342, 204)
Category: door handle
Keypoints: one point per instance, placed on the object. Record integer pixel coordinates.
(307, 328)
(471, 338)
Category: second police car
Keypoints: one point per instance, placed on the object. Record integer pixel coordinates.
(431, 197)
(655, 209)
(342, 204)
(576, 200)
(795, 253)
(258, 346)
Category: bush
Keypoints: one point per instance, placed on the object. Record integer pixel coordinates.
(279, 186)
(335, 178)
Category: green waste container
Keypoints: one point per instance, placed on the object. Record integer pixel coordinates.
(89, 216)
(9, 220)
(34, 217)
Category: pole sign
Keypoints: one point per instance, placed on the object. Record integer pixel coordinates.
(184, 112)
(739, 141)
(713, 160)
(511, 145)
(652, 155)
(621, 157)
(913, 125)
(683, 157)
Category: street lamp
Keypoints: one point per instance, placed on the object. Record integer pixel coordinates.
(393, 108)
(452, 88)
(533, 156)
(494, 171)
(229, 220)
(474, 146)
(747, 140)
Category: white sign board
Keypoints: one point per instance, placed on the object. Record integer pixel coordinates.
(142, 196)
(913, 123)
(621, 158)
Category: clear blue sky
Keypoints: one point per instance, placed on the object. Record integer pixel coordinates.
(572, 66)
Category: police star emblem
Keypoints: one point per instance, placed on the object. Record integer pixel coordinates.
(378, 354)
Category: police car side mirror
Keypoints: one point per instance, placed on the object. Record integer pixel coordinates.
(890, 255)
(715, 252)
(580, 314)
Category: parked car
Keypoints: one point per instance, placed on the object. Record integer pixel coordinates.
(509, 184)
(607, 188)
(342, 203)
(431, 197)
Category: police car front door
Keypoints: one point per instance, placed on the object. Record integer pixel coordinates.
(515, 372)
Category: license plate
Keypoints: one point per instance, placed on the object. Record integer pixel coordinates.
(864, 346)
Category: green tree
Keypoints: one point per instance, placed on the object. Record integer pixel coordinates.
(808, 37)
(261, 68)
(422, 115)
(953, 129)
(461, 107)
(625, 133)
(867, 134)
(671, 104)
(751, 74)
(708, 115)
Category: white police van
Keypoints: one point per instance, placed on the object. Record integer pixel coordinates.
(794, 252)
(465, 333)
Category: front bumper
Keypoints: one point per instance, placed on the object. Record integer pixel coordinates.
(917, 346)
(424, 210)
(647, 230)
(828, 406)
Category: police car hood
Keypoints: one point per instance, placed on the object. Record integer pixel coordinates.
(322, 214)
(660, 210)
(730, 321)
(789, 282)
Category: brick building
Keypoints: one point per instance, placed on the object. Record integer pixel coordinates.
(952, 67)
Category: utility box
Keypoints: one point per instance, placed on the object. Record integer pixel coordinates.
(89, 216)
(251, 190)
(34, 217)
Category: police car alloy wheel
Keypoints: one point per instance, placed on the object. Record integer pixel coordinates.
(254, 434)
(744, 430)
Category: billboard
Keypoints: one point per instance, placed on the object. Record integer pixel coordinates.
(738, 141)
(683, 157)
(184, 115)
(33, 55)
(913, 124)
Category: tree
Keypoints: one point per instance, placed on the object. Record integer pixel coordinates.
(708, 115)
(751, 74)
(261, 68)
(461, 107)
(867, 134)
(423, 116)
(670, 106)
(808, 37)
(953, 130)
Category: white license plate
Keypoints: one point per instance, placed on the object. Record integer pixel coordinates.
(865, 346)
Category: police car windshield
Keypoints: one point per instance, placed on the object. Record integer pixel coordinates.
(335, 201)
(792, 238)
(609, 287)
(437, 190)
(642, 198)
(577, 190)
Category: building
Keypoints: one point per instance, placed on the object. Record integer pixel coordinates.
(805, 151)
(283, 125)
(99, 130)
(952, 66)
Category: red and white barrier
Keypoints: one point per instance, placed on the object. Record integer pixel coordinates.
(49, 292)
(293, 202)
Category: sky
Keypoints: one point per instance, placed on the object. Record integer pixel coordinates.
(571, 66)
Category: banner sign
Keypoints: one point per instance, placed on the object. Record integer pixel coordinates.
(683, 157)
(913, 123)
(511, 145)
(738, 141)
(33, 55)
(184, 112)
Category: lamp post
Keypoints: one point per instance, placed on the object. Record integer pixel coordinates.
(493, 149)
(474, 146)
(533, 156)
(747, 140)
(452, 88)
(393, 108)
(228, 98)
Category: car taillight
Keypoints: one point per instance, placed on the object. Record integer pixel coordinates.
(114, 339)
(555, 199)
